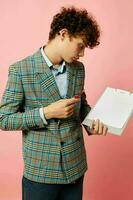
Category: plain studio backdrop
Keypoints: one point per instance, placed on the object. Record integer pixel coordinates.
(24, 27)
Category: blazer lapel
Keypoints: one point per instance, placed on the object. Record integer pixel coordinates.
(46, 78)
(71, 79)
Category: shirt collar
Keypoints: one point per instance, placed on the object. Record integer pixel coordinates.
(50, 64)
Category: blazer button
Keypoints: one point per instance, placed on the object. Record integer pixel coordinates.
(62, 143)
(59, 122)
(78, 138)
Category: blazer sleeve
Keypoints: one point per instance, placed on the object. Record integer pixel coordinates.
(84, 110)
(85, 107)
(12, 114)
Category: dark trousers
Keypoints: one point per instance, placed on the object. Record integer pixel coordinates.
(42, 191)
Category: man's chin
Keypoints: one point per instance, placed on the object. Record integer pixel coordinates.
(70, 60)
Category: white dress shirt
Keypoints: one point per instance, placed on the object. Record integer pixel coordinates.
(60, 76)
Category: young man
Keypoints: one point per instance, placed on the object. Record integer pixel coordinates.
(45, 98)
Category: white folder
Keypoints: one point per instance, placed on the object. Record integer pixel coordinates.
(114, 108)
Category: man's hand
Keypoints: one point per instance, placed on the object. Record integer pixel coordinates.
(60, 109)
(98, 128)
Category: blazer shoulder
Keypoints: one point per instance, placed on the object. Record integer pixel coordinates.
(79, 65)
(24, 66)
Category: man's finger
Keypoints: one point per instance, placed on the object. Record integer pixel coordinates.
(72, 101)
(105, 129)
(96, 126)
(92, 124)
(69, 107)
(100, 128)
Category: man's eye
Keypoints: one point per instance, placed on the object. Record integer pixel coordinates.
(81, 47)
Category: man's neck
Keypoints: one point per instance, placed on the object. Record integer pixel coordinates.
(52, 53)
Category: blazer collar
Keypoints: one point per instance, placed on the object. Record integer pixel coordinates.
(46, 78)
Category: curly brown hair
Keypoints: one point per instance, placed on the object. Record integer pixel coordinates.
(78, 23)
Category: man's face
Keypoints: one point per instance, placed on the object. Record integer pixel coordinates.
(72, 48)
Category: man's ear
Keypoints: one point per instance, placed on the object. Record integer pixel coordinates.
(63, 33)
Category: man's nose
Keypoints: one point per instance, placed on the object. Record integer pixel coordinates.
(81, 54)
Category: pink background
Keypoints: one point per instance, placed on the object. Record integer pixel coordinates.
(24, 28)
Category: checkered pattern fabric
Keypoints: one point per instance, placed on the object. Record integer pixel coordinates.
(52, 153)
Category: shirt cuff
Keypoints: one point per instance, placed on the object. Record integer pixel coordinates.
(42, 116)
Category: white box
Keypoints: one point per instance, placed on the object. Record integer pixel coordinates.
(114, 108)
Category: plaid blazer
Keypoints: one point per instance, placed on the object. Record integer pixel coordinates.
(52, 153)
